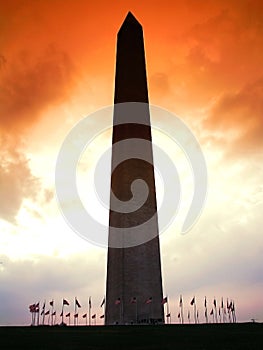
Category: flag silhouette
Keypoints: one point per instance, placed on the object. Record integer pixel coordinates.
(164, 301)
(77, 303)
(103, 302)
(181, 301)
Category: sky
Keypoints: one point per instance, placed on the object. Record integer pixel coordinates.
(57, 65)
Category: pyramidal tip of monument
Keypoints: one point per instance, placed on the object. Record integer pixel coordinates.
(130, 17)
(130, 20)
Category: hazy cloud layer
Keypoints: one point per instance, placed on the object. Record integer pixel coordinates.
(16, 179)
(47, 278)
(241, 113)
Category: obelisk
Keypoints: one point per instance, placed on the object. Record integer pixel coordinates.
(134, 280)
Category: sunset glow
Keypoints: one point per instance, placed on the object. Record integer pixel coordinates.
(57, 65)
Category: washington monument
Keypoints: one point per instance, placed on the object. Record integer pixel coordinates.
(134, 282)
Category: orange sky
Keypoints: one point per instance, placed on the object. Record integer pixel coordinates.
(198, 52)
(204, 63)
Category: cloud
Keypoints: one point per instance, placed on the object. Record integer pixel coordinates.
(17, 181)
(215, 52)
(30, 85)
(240, 114)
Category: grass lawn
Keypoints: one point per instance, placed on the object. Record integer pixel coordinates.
(187, 337)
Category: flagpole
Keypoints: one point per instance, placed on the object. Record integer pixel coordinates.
(215, 310)
(62, 312)
(33, 317)
(234, 312)
(230, 312)
(38, 313)
(228, 306)
(75, 312)
(225, 317)
(206, 317)
(182, 315)
(182, 311)
(103, 305)
(193, 303)
(222, 311)
(52, 323)
(44, 308)
(167, 311)
(89, 310)
(36, 316)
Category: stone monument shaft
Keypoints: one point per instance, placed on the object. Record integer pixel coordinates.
(134, 281)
